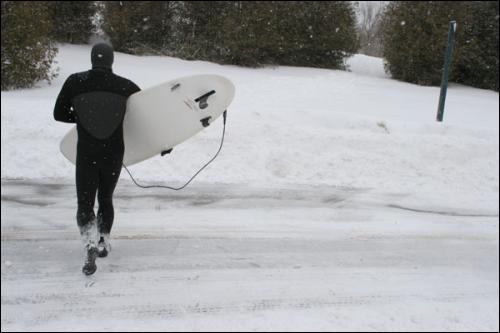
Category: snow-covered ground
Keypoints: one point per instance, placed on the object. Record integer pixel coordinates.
(337, 203)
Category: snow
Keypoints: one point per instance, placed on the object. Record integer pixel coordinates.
(337, 203)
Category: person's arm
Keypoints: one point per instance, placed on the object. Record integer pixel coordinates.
(133, 88)
(63, 110)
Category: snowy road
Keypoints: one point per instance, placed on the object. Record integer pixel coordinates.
(227, 257)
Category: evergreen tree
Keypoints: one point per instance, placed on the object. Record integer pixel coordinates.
(415, 39)
(251, 37)
(477, 49)
(201, 29)
(138, 26)
(72, 20)
(298, 33)
(250, 33)
(27, 50)
(317, 33)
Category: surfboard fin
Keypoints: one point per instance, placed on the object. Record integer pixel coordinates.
(165, 152)
(203, 99)
(205, 121)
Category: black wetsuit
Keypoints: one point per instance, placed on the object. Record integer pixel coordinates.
(99, 160)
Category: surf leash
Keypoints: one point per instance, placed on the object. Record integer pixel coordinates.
(196, 174)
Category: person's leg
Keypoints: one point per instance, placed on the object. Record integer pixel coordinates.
(87, 181)
(108, 178)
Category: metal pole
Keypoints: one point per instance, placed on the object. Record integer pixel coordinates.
(446, 70)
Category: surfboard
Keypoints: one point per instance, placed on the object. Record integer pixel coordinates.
(163, 116)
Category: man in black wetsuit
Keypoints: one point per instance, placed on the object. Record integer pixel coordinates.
(96, 100)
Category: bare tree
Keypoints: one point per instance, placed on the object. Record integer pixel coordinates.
(369, 26)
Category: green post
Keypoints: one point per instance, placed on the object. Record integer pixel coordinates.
(446, 69)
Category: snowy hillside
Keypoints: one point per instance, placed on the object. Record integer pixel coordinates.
(291, 125)
(337, 203)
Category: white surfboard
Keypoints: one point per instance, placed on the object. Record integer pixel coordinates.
(161, 117)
